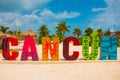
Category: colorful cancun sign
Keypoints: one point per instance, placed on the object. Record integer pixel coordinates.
(108, 48)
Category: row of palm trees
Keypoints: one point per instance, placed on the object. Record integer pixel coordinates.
(15, 33)
(61, 29)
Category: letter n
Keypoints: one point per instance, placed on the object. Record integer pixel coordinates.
(53, 47)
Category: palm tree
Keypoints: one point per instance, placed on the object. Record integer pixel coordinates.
(61, 30)
(117, 33)
(108, 32)
(77, 32)
(4, 29)
(52, 35)
(43, 31)
(15, 33)
(88, 31)
(100, 32)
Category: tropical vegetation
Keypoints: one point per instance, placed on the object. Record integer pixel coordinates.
(62, 29)
(42, 32)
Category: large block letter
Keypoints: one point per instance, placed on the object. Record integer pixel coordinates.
(29, 49)
(53, 48)
(109, 48)
(66, 48)
(6, 48)
(85, 47)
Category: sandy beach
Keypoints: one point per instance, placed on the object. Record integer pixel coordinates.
(59, 70)
(81, 71)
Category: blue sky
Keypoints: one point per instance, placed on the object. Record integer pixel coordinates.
(31, 14)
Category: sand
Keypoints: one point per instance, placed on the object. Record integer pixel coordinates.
(77, 71)
(60, 70)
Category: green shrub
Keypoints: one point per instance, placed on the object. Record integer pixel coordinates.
(39, 40)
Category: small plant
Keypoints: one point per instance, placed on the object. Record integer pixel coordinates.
(39, 40)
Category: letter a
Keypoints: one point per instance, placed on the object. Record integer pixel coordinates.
(29, 42)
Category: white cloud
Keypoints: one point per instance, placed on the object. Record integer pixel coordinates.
(98, 9)
(46, 13)
(110, 17)
(17, 23)
(15, 20)
(35, 19)
(16, 5)
(66, 14)
(60, 15)
(32, 4)
(6, 18)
